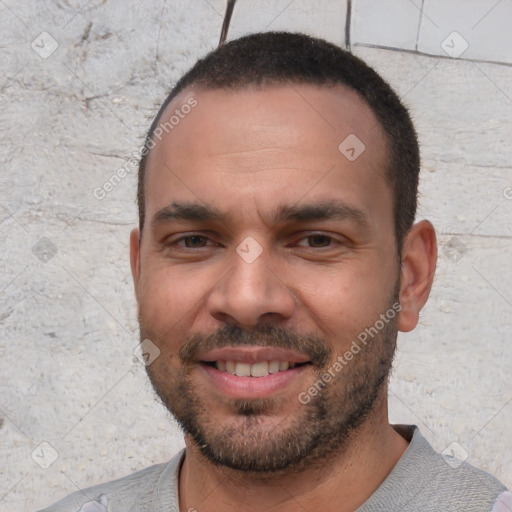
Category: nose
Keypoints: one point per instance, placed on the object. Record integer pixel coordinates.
(249, 291)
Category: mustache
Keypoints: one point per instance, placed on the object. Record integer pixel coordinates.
(265, 336)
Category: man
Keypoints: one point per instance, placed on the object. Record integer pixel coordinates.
(275, 261)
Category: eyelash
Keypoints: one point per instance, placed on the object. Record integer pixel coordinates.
(175, 242)
(311, 235)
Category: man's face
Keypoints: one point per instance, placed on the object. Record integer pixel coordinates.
(264, 245)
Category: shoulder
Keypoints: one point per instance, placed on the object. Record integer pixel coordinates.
(448, 482)
(133, 492)
(427, 481)
(451, 473)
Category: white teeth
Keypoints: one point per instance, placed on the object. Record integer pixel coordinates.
(243, 369)
(273, 367)
(230, 367)
(259, 369)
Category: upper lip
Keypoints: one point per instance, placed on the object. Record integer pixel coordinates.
(254, 354)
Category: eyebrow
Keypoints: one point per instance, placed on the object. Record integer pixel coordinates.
(324, 210)
(187, 212)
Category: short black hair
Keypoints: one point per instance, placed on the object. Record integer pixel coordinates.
(275, 58)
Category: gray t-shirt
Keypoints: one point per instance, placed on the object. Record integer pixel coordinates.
(422, 481)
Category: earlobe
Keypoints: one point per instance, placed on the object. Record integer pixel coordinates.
(419, 256)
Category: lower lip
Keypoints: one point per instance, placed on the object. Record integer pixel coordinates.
(251, 387)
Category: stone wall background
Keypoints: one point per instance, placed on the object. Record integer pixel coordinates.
(80, 83)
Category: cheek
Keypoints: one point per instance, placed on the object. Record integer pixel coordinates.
(169, 297)
(346, 301)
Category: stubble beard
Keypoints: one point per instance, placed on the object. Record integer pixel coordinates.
(249, 442)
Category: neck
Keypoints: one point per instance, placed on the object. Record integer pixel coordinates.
(342, 484)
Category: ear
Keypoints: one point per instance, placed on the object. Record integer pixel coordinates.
(135, 262)
(419, 257)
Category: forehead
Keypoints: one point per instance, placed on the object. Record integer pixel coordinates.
(297, 139)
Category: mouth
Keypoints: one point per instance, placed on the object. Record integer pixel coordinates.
(252, 372)
(257, 369)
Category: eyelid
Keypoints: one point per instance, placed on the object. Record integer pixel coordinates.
(173, 240)
(336, 242)
(333, 237)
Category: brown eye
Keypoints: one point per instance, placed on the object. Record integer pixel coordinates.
(319, 240)
(195, 241)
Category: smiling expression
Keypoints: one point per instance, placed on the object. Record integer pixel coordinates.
(264, 253)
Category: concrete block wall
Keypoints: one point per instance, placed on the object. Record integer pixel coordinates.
(79, 86)
(468, 29)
